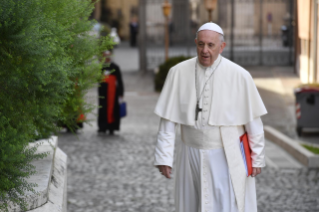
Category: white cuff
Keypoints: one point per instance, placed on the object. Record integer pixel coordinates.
(164, 150)
(257, 146)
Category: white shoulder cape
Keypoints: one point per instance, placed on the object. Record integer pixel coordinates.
(235, 99)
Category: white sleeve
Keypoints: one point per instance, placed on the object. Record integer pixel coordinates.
(256, 139)
(164, 150)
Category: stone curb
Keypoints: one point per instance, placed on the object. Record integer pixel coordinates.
(42, 177)
(51, 177)
(303, 155)
(57, 194)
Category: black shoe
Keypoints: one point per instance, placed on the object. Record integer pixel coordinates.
(101, 131)
(111, 132)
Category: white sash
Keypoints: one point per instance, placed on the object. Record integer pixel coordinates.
(230, 137)
(206, 138)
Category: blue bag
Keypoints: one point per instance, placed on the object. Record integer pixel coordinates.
(122, 109)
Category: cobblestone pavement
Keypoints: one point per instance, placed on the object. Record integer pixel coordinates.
(288, 190)
(115, 173)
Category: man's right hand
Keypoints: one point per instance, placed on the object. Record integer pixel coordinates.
(165, 170)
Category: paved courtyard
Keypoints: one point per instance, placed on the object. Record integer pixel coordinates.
(116, 175)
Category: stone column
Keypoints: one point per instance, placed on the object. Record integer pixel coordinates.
(180, 21)
(97, 11)
(223, 13)
(142, 36)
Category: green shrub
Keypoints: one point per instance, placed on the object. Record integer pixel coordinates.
(163, 71)
(48, 59)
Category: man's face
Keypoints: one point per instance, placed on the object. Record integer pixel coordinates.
(209, 47)
(107, 55)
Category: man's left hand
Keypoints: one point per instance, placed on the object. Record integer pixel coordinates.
(256, 171)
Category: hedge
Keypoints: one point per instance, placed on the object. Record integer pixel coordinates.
(164, 69)
(48, 60)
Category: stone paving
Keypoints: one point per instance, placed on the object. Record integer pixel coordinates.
(288, 190)
(115, 174)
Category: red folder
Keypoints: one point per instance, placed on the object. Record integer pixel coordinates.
(247, 152)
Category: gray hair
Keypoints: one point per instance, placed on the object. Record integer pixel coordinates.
(221, 37)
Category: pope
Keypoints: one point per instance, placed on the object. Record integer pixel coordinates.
(212, 101)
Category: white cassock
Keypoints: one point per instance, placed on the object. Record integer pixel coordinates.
(210, 175)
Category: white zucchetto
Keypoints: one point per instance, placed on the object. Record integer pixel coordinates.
(212, 27)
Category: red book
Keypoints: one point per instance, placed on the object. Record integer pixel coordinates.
(246, 153)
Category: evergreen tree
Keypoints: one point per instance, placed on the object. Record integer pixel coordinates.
(48, 59)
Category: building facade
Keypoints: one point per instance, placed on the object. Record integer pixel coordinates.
(118, 14)
(306, 43)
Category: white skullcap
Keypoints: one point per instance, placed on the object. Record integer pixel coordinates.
(212, 27)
